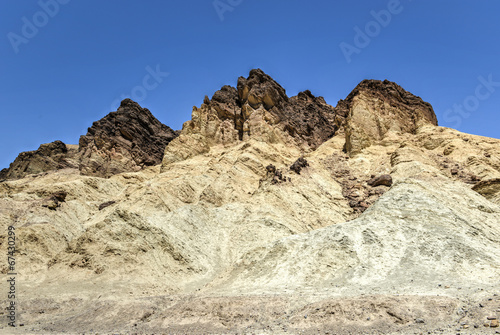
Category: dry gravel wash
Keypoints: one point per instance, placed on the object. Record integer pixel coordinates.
(260, 314)
(211, 245)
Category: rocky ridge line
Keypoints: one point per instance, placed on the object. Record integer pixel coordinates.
(126, 140)
(131, 138)
(259, 108)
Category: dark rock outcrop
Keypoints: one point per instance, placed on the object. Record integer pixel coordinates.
(305, 117)
(411, 107)
(299, 164)
(225, 102)
(310, 118)
(59, 196)
(123, 141)
(51, 156)
(385, 180)
(259, 89)
(276, 176)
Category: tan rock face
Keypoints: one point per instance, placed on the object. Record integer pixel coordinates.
(375, 108)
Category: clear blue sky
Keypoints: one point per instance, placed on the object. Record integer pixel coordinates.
(63, 67)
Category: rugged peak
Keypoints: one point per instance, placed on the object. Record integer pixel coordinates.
(131, 109)
(53, 148)
(258, 77)
(306, 96)
(394, 95)
(130, 105)
(122, 141)
(375, 107)
(259, 89)
(377, 86)
(257, 109)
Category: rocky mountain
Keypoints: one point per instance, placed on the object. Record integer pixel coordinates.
(123, 141)
(127, 140)
(266, 214)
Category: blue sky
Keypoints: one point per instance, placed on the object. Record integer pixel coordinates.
(67, 63)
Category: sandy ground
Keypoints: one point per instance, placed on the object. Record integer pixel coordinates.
(259, 314)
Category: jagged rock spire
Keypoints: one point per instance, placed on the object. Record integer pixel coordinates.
(260, 109)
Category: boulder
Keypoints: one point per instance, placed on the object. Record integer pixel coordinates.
(385, 180)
